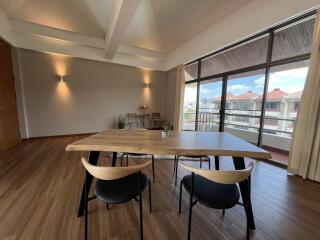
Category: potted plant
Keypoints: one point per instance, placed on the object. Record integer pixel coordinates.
(121, 123)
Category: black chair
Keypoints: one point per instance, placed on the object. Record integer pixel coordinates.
(127, 154)
(117, 185)
(200, 157)
(156, 120)
(214, 189)
(176, 163)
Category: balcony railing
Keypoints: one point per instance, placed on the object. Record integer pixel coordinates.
(209, 121)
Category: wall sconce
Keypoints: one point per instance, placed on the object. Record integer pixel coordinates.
(61, 78)
(147, 85)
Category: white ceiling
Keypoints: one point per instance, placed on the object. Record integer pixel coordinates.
(143, 33)
(181, 20)
(158, 25)
(87, 17)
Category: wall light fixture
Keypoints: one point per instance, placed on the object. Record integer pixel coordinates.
(61, 79)
(147, 85)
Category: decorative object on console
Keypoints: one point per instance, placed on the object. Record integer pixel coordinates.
(121, 123)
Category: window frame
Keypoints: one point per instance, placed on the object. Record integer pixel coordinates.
(262, 66)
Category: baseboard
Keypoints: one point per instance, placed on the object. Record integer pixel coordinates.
(58, 136)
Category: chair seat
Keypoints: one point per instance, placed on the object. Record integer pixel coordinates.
(120, 190)
(212, 194)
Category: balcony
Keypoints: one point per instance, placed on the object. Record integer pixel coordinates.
(276, 137)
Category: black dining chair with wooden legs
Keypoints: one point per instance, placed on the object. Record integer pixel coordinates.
(214, 189)
(117, 185)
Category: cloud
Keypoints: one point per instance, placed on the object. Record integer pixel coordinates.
(289, 81)
(238, 87)
(260, 81)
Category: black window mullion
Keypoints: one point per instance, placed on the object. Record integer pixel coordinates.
(265, 90)
(223, 103)
(198, 96)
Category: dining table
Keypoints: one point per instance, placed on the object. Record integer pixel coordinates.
(187, 143)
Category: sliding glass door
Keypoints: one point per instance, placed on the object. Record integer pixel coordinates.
(210, 105)
(243, 104)
(285, 87)
(190, 107)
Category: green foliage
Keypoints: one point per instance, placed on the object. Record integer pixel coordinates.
(121, 123)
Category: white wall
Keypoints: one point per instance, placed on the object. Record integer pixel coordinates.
(90, 100)
(255, 16)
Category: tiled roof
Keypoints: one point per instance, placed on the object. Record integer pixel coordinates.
(246, 96)
(275, 94)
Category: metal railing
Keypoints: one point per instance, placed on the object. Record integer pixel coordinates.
(210, 119)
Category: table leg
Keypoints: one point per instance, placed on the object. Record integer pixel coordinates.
(114, 159)
(245, 189)
(93, 159)
(217, 162)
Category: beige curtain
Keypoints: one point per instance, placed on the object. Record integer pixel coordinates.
(179, 97)
(305, 151)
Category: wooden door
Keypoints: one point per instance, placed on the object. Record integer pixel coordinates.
(9, 123)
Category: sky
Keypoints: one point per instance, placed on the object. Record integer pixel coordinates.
(289, 81)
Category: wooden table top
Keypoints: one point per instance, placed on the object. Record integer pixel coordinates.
(178, 143)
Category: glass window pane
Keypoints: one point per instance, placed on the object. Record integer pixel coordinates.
(209, 105)
(243, 105)
(286, 83)
(245, 55)
(191, 71)
(189, 107)
(293, 40)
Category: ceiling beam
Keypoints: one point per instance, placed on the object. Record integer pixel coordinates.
(122, 15)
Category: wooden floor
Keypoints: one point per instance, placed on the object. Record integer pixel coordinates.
(40, 185)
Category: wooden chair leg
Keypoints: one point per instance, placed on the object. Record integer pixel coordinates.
(127, 160)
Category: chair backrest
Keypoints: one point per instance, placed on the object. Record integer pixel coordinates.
(224, 177)
(155, 115)
(131, 117)
(111, 173)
